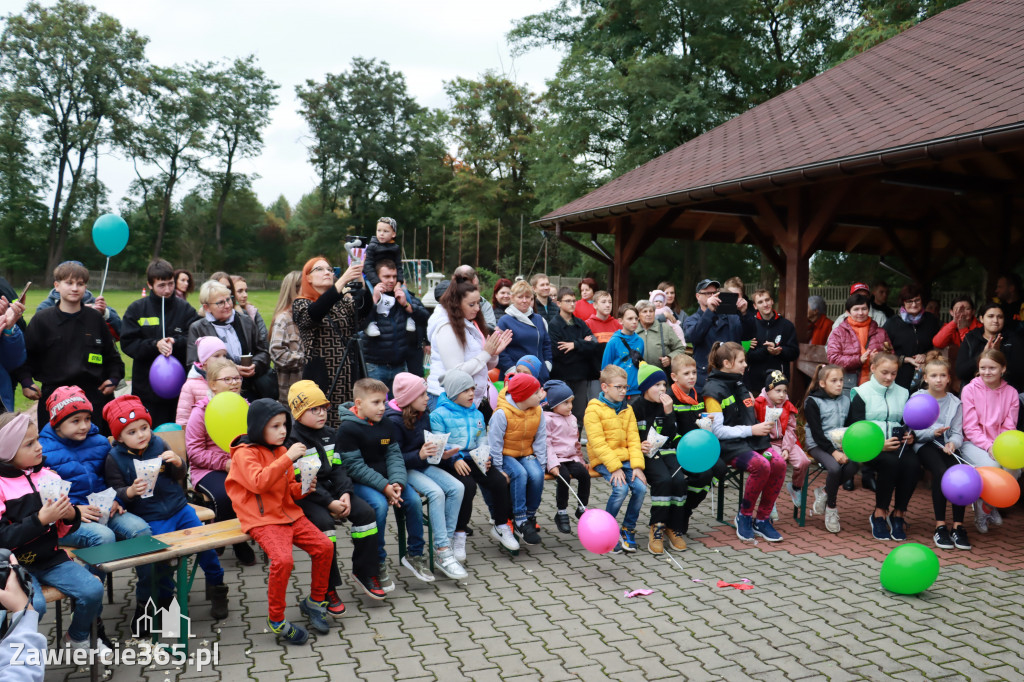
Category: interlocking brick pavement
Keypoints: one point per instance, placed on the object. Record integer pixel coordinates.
(556, 612)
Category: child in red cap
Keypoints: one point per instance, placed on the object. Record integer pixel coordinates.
(166, 509)
(518, 440)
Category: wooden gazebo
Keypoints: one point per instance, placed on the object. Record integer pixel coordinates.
(913, 148)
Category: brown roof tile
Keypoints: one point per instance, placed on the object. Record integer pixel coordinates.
(956, 73)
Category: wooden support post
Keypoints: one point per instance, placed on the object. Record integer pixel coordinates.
(796, 277)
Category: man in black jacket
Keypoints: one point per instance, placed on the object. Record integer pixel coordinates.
(386, 354)
(574, 348)
(152, 326)
(69, 344)
(774, 345)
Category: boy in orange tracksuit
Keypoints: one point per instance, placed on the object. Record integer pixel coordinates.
(262, 488)
(615, 453)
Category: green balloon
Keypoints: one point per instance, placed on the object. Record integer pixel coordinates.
(863, 441)
(909, 569)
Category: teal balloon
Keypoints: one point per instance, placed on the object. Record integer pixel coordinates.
(698, 451)
(110, 234)
(169, 426)
(909, 569)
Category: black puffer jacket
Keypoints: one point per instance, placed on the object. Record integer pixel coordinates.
(911, 339)
(394, 342)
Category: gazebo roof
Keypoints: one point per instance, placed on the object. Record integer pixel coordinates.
(951, 84)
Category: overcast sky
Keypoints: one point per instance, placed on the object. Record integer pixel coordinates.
(429, 42)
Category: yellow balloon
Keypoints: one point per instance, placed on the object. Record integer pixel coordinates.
(225, 418)
(1008, 449)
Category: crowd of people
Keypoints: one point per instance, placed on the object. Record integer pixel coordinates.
(401, 407)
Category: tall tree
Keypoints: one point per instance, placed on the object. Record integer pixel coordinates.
(69, 68)
(364, 141)
(882, 19)
(242, 99)
(170, 134)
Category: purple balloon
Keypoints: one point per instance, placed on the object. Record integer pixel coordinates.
(166, 376)
(961, 484)
(921, 411)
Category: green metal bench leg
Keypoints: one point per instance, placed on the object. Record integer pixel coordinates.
(403, 548)
(800, 515)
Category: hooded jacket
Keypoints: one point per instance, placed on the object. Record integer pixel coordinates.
(760, 362)
(409, 441)
(822, 413)
(204, 455)
(843, 349)
(563, 439)
(34, 544)
(951, 414)
(376, 252)
(332, 480)
(625, 351)
(261, 483)
(987, 412)
(464, 425)
(705, 327)
(80, 462)
(731, 408)
(168, 497)
(369, 450)
(974, 343)
(783, 434)
(613, 438)
(392, 346)
(140, 331)
(579, 363)
(652, 416)
(528, 338)
(880, 404)
(194, 389)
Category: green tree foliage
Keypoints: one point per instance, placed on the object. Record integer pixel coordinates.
(68, 68)
(883, 19)
(22, 215)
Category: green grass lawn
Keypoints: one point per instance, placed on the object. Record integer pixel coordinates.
(120, 300)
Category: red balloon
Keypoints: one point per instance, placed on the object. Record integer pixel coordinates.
(998, 487)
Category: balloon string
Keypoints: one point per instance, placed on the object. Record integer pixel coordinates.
(674, 560)
(960, 459)
(571, 490)
(104, 282)
(163, 329)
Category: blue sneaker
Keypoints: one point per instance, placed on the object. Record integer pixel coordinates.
(292, 634)
(627, 539)
(316, 612)
(745, 527)
(879, 528)
(766, 530)
(617, 549)
(899, 528)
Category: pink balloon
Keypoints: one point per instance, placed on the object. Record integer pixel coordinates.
(598, 531)
(166, 376)
(492, 396)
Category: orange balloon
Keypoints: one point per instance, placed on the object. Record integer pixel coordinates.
(998, 487)
(493, 374)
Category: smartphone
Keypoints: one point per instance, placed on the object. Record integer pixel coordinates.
(245, 360)
(899, 432)
(24, 293)
(728, 303)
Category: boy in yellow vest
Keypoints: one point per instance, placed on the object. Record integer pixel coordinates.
(518, 440)
(614, 451)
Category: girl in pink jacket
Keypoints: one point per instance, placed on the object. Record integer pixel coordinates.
(207, 347)
(208, 464)
(990, 408)
(565, 456)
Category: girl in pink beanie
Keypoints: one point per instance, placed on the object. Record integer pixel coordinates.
(195, 387)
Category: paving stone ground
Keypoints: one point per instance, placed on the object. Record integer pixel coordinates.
(556, 612)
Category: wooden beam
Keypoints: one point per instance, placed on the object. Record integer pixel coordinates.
(769, 218)
(822, 218)
(642, 236)
(796, 275)
(725, 208)
(702, 227)
(580, 247)
(620, 268)
(765, 243)
(908, 256)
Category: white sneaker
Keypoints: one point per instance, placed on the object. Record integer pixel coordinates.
(994, 517)
(505, 536)
(449, 566)
(104, 654)
(980, 518)
(795, 494)
(418, 566)
(820, 498)
(775, 512)
(372, 329)
(459, 546)
(831, 519)
(410, 325)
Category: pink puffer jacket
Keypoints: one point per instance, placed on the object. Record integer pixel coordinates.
(204, 455)
(194, 389)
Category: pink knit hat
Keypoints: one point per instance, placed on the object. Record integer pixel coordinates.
(407, 388)
(206, 346)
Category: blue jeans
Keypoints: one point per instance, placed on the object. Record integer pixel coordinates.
(208, 560)
(636, 500)
(527, 484)
(385, 373)
(75, 581)
(444, 498)
(413, 516)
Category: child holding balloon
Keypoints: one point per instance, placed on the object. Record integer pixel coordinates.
(880, 400)
(825, 410)
(936, 444)
(744, 440)
(990, 407)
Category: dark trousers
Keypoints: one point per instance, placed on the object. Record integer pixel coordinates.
(493, 482)
(363, 522)
(569, 471)
(936, 460)
(668, 492)
(836, 474)
(698, 485)
(898, 471)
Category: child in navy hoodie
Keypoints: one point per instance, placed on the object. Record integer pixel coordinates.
(166, 510)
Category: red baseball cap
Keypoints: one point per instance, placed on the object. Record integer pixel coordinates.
(858, 286)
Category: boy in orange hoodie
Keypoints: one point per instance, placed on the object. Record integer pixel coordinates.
(262, 488)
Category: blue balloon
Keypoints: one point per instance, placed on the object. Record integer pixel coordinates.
(110, 234)
(698, 451)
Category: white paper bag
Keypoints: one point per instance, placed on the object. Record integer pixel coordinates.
(50, 488)
(656, 440)
(772, 414)
(481, 455)
(148, 470)
(704, 423)
(836, 436)
(309, 467)
(441, 439)
(103, 501)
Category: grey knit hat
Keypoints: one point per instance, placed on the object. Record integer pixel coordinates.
(455, 382)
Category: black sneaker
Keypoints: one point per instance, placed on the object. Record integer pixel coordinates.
(580, 510)
(849, 485)
(879, 528)
(527, 532)
(942, 539)
(562, 522)
(898, 528)
(960, 540)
